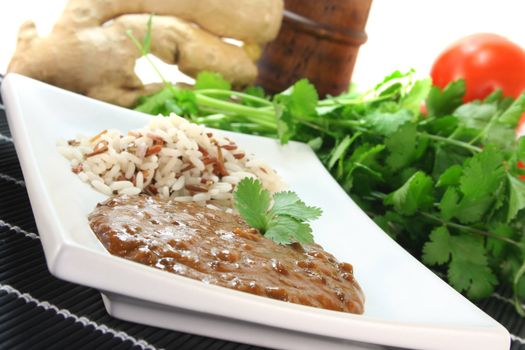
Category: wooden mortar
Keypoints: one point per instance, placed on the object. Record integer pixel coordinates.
(318, 40)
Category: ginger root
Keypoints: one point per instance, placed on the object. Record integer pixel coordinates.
(89, 52)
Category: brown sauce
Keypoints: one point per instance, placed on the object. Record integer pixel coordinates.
(220, 248)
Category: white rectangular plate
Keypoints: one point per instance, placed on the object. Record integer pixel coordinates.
(406, 304)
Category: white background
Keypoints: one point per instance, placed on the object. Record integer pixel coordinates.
(402, 34)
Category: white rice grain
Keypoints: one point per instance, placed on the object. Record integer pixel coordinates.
(197, 162)
(82, 175)
(130, 191)
(183, 199)
(130, 171)
(201, 197)
(120, 185)
(124, 167)
(165, 192)
(113, 172)
(139, 180)
(101, 187)
(178, 184)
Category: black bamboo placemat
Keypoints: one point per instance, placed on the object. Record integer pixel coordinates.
(39, 311)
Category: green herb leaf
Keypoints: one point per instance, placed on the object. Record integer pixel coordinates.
(285, 222)
(419, 92)
(255, 91)
(469, 270)
(414, 195)
(252, 201)
(520, 149)
(211, 80)
(497, 246)
(512, 115)
(468, 266)
(480, 182)
(451, 176)
(288, 203)
(437, 250)
(169, 100)
(387, 123)
(154, 104)
(476, 114)
(286, 126)
(316, 143)
(446, 156)
(293, 105)
(340, 150)
(402, 146)
(444, 102)
(286, 230)
(516, 198)
(495, 96)
(443, 126)
(449, 203)
(482, 174)
(300, 100)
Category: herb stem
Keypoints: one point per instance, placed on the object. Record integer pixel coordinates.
(470, 229)
(145, 52)
(462, 144)
(233, 117)
(234, 107)
(218, 92)
(341, 101)
(317, 127)
(345, 123)
(486, 128)
(381, 195)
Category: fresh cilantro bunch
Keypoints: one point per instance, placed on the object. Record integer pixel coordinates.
(445, 184)
(282, 218)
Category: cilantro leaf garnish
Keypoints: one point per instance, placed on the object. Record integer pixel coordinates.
(285, 230)
(285, 221)
(288, 203)
(252, 201)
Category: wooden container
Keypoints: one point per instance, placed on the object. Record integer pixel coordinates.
(318, 40)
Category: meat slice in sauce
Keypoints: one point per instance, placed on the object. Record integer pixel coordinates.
(220, 248)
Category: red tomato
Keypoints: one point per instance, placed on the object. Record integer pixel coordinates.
(486, 62)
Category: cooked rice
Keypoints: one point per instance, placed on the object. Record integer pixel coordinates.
(171, 157)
